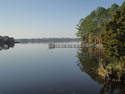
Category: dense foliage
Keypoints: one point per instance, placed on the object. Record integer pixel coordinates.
(110, 64)
(6, 40)
(113, 38)
(94, 23)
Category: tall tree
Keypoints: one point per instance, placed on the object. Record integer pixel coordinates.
(113, 38)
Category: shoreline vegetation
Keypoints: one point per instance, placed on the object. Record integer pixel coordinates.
(109, 72)
(92, 29)
(6, 42)
(103, 31)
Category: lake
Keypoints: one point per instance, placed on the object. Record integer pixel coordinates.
(36, 69)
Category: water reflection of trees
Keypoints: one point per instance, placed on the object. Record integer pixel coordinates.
(113, 88)
(106, 70)
(89, 62)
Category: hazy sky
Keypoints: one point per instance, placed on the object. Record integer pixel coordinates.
(45, 18)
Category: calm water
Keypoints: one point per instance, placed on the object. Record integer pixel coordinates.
(35, 69)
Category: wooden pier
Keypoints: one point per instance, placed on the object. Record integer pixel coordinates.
(64, 45)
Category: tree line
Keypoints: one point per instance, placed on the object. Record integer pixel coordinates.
(105, 26)
(6, 40)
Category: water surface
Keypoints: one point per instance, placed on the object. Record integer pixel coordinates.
(35, 69)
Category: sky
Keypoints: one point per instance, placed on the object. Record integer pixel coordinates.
(45, 18)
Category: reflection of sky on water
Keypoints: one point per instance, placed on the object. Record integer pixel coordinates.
(34, 69)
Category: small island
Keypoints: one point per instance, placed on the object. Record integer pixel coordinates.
(6, 42)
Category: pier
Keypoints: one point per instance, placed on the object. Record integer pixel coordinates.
(64, 45)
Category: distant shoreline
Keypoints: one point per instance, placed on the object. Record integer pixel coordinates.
(46, 40)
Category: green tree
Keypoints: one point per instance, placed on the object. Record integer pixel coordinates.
(113, 38)
(94, 23)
